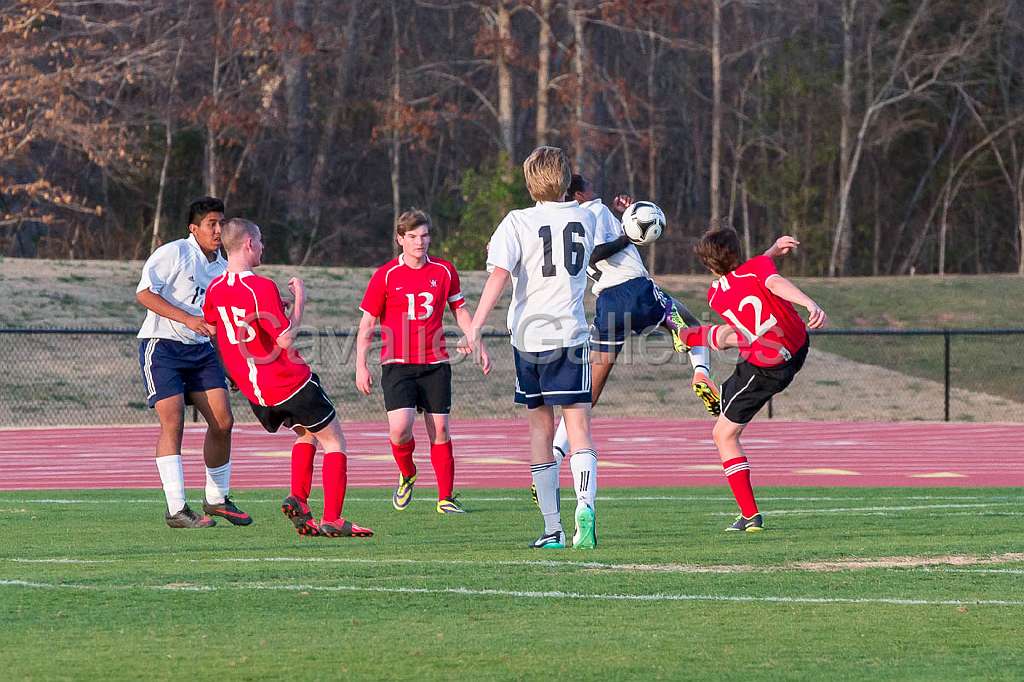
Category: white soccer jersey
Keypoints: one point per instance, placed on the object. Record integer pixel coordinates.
(619, 267)
(181, 273)
(546, 248)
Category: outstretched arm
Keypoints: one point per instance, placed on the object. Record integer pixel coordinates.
(782, 246)
(604, 251)
(784, 289)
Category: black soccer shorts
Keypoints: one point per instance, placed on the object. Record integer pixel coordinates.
(428, 388)
(750, 387)
(309, 408)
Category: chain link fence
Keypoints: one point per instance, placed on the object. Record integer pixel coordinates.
(54, 377)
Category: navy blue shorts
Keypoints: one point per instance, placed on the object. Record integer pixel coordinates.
(636, 306)
(172, 367)
(553, 377)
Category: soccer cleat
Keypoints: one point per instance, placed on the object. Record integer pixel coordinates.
(706, 390)
(755, 524)
(554, 540)
(186, 518)
(229, 511)
(585, 536)
(533, 494)
(403, 493)
(300, 515)
(675, 323)
(342, 528)
(450, 505)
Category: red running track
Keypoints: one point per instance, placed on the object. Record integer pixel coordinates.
(491, 453)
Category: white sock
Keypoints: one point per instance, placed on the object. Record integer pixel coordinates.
(218, 483)
(545, 477)
(700, 358)
(173, 480)
(584, 475)
(560, 445)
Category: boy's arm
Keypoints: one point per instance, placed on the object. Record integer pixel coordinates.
(465, 322)
(604, 251)
(488, 298)
(288, 336)
(782, 246)
(363, 337)
(164, 308)
(786, 290)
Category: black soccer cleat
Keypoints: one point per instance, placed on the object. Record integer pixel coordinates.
(186, 518)
(755, 524)
(229, 511)
(301, 517)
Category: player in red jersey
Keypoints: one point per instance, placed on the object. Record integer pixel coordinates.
(757, 304)
(255, 339)
(408, 295)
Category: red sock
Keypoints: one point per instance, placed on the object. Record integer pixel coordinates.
(403, 457)
(302, 470)
(444, 468)
(737, 472)
(335, 481)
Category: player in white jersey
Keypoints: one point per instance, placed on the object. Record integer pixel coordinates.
(628, 301)
(544, 250)
(179, 365)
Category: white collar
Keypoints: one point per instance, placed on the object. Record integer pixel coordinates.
(195, 245)
(558, 204)
(401, 261)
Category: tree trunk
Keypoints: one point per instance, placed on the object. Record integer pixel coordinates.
(746, 222)
(506, 119)
(578, 64)
(841, 246)
(168, 138)
(543, 71)
(295, 67)
(716, 106)
(396, 101)
(652, 149)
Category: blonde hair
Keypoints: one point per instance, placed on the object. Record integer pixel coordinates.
(547, 174)
(410, 220)
(235, 231)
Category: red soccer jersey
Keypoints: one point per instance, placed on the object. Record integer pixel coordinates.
(410, 304)
(766, 323)
(249, 315)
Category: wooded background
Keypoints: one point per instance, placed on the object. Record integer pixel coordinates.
(888, 136)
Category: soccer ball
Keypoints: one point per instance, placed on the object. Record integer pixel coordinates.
(643, 222)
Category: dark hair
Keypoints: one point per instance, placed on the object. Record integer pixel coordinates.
(198, 209)
(577, 183)
(719, 250)
(410, 220)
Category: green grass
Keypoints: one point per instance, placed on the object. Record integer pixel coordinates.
(261, 602)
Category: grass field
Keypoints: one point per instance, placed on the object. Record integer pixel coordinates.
(852, 584)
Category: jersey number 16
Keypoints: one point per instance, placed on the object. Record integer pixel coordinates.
(573, 252)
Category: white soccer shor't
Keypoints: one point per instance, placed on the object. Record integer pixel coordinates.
(643, 222)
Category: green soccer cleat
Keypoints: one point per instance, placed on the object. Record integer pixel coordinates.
(403, 492)
(585, 536)
(675, 323)
(554, 540)
(754, 524)
(450, 505)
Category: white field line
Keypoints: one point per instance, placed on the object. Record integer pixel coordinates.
(871, 510)
(820, 566)
(519, 594)
(602, 498)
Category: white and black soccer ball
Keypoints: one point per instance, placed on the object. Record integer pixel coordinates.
(643, 222)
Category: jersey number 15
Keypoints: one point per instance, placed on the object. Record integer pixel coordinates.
(237, 319)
